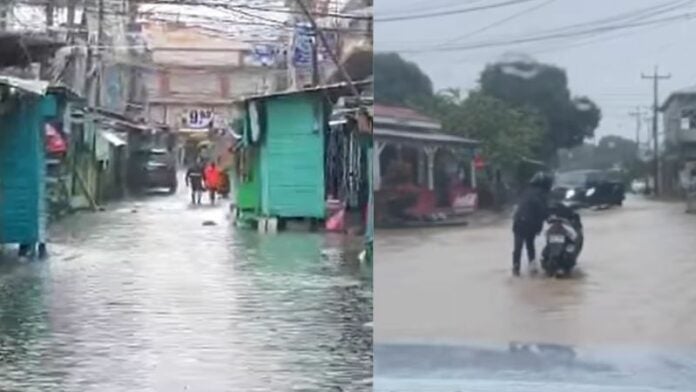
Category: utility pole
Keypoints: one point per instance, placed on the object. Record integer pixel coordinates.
(638, 115)
(656, 77)
(327, 47)
(49, 16)
(315, 60)
(100, 59)
(71, 18)
(45, 65)
(4, 5)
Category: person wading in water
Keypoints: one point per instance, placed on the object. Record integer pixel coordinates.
(529, 218)
(212, 180)
(194, 180)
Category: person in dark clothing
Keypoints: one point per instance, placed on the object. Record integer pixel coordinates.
(194, 180)
(528, 221)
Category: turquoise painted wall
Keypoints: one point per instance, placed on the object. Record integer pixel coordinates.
(292, 157)
(22, 168)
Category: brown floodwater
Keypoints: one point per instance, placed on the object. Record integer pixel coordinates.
(636, 284)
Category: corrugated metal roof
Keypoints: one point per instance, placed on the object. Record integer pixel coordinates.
(681, 92)
(113, 138)
(38, 87)
(334, 86)
(401, 113)
(424, 137)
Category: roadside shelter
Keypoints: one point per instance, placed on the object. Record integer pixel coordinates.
(24, 109)
(414, 155)
(281, 164)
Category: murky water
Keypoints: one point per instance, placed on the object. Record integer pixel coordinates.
(635, 284)
(532, 368)
(144, 297)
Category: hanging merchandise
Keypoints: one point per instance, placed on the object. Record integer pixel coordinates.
(337, 222)
(55, 144)
(254, 122)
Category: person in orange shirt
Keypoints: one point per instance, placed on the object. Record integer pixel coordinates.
(211, 175)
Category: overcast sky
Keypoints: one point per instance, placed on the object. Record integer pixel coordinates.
(606, 67)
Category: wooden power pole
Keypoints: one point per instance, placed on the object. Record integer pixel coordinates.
(638, 115)
(656, 78)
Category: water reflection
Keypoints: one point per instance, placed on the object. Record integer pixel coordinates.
(146, 297)
(531, 367)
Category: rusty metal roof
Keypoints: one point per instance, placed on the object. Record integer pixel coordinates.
(401, 113)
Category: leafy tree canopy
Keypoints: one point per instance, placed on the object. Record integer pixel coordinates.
(507, 134)
(544, 88)
(399, 82)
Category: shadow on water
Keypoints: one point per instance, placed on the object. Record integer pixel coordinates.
(145, 297)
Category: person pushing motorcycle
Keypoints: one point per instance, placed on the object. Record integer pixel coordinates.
(532, 211)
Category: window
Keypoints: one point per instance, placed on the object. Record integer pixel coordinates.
(688, 120)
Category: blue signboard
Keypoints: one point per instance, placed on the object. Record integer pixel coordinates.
(265, 54)
(302, 46)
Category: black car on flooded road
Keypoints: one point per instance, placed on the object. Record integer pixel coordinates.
(154, 168)
(589, 188)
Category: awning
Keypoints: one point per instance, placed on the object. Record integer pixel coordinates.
(423, 138)
(38, 87)
(341, 87)
(113, 138)
(194, 130)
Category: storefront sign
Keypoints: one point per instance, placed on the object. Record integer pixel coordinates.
(302, 46)
(479, 163)
(465, 202)
(199, 118)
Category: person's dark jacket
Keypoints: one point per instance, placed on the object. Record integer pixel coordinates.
(532, 211)
(194, 177)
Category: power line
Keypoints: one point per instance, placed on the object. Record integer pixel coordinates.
(226, 5)
(499, 22)
(638, 114)
(547, 37)
(451, 12)
(421, 6)
(631, 16)
(587, 41)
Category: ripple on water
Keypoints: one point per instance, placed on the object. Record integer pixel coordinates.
(155, 300)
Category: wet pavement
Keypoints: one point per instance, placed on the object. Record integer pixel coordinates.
(635, 283)
(145, 297)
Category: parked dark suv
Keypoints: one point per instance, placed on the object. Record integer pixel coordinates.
(154, 168)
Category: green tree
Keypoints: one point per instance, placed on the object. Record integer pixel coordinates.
(544, 88)
(399, 82)
(507, 134)
(611, 152)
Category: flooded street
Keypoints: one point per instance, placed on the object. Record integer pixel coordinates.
(634, 286)
(145, 297)
(448, 312)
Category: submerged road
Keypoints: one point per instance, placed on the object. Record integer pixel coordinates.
(635, 283)
(532, 368)
(144, 297)
(447, 309)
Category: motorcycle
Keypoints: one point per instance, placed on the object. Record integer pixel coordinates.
(564, 241)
